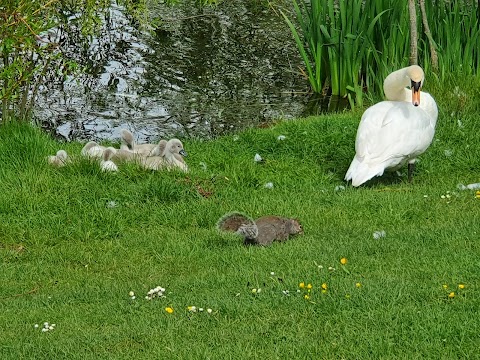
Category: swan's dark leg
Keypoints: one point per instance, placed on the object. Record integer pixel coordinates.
(411, 169)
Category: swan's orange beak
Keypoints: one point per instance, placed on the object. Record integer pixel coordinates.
(416, 93)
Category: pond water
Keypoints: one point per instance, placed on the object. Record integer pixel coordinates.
(205, 71)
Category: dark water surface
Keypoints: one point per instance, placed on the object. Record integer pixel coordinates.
(204, 72)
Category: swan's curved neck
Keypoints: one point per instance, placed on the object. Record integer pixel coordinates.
(395, 85)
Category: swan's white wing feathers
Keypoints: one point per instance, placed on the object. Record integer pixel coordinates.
(389, 132)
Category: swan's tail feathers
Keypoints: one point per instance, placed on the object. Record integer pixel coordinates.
(127, 139)
(351, 170)
(360, 172)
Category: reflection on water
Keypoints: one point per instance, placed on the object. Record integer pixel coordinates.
(207, 71)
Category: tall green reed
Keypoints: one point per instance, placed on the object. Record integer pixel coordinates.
(455, 29)
(313, 54)
(337, 41)
(350, 46)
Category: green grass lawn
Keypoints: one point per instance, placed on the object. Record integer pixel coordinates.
(75, 241)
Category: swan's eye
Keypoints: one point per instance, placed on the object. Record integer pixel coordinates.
(416, 85)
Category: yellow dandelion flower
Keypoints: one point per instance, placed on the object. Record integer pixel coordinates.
(169, 310)
(445, 286)
(301, 285)
(324, 286)
(461, 286)
(358, 285)
(343, 260)
(309, 286)
(306, 297)
(451, 295)
(324, 291)
(477, 194)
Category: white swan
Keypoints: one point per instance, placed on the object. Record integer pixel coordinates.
(395, 131)
(59, 159)
(172, 157)
(107, 164)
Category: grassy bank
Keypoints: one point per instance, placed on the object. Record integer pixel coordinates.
(75, 241)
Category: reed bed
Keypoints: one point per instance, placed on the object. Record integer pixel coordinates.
(349, 47)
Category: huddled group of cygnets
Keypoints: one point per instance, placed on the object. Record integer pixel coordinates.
(163, 155)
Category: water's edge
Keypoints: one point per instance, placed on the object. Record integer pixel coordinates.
(207, 71)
